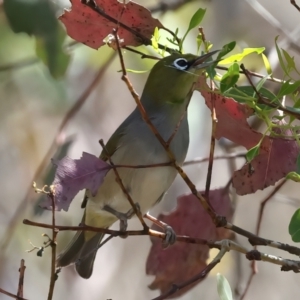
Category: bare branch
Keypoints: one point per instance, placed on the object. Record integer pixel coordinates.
(21, 278)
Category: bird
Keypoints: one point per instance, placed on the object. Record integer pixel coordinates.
(165, 98)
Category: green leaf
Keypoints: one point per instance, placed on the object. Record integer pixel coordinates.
(281, 62)
(50, 51)
(294, 226)
(223, 287)
(293, 176)
(37, 18)
(199, 41)
(226, 49)
(244, 94)
(195, 21)
(290, 60)
(252, 153)
(155, 39)
(230, 78)
(196, 18)
(267, 64)
(240, 56)
(261, 82)
(288, 88)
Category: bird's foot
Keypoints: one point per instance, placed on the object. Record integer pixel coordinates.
(170, 237)
(123, 217)
(170, 234)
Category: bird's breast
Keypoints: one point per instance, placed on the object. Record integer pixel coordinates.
(139, 147)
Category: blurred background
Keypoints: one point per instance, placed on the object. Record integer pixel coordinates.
(33, 104)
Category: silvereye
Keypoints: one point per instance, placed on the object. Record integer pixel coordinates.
(165, 99)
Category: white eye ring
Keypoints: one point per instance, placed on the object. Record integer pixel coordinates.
(180, 64)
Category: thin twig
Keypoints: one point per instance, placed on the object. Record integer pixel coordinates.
(143, 55)
(217, 157)
(53, 248)
(264, 100)
(154, 233)
(212, 147)
(264, 202)
(11, 295)
(56, 141)
(21, 278)
(247, 285)
(163, 6)
(19, 64)
(293, 2)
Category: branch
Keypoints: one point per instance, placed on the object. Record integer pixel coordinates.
(293, 2)
(11, 295)
(53, 248)
(223, 156)
(21, 278)
(264, 202)
(212, 146)
(265, 101)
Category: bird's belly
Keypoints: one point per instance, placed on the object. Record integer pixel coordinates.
(144, 185)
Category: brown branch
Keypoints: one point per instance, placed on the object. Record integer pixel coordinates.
(19, 64)
(223, 156)
(164, 6)
(247, 285)
(258, 226)
(55, 143)
(154, 233)
(53, 249)
(212, 147)
(293, 2)
(21, 278)
(264, 100)
(264, 202)
(143, 55)
(11, 295)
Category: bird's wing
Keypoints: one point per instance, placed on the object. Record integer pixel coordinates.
(113, 144)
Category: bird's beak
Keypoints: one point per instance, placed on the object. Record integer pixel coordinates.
(201, 61)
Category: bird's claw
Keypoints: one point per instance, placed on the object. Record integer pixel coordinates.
(170, 237)
(123, 217)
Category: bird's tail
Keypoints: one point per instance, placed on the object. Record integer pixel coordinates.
(82, 252)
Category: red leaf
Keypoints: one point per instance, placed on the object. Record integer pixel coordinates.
(90, 28)
(277, 156)
(73, 175)
(181, 261)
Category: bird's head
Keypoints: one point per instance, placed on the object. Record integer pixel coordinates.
(172, 78)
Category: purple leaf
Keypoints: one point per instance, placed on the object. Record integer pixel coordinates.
(73, 175)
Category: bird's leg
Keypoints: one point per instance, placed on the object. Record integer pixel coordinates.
(123, 217)
(170, 237)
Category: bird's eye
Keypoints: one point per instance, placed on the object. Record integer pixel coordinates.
(181, 63)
